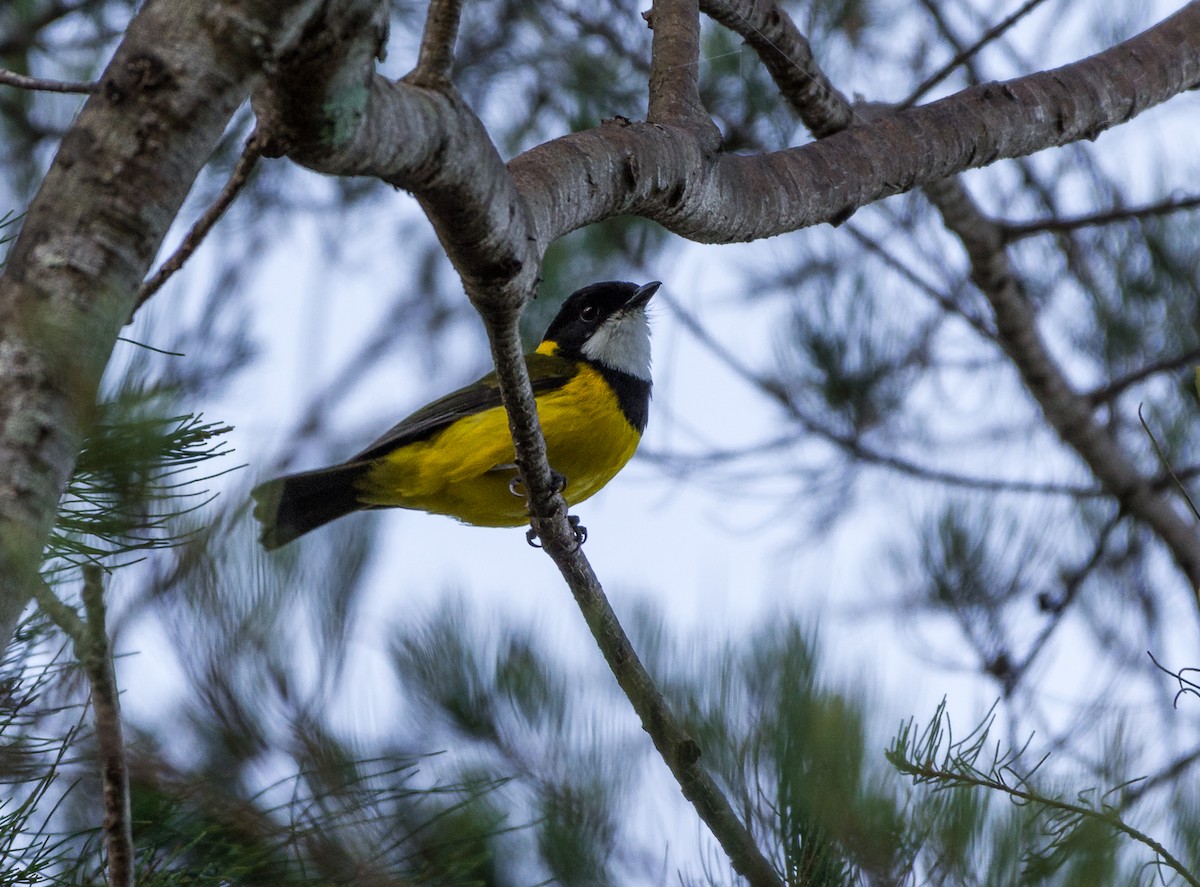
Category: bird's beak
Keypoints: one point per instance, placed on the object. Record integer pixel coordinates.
(643, 294)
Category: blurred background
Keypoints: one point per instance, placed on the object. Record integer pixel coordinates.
(846, 509)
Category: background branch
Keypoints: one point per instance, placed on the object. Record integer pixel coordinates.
(95, 655)
(237, 180)
(1018, 230)
(39, 84)
(89, 637)
(1069, 412)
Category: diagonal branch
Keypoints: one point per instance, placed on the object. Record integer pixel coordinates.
(1070, 413)
(968, 51)
(482, 222)
(232, 188)
(788, 58)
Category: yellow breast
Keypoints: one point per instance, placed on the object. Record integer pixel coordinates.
(466, 470)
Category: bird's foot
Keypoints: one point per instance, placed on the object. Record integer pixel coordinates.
(577, 529)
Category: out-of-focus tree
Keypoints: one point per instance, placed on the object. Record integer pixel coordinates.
(1001, 362)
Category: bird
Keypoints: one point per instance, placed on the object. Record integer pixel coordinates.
(455, 456)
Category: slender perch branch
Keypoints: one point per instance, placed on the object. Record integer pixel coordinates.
(448, 160)
(549, 513)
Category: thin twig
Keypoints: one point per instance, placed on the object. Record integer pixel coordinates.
(1166, 463)
(1018, 230)
(984, 39)
(96, 658)
(436, 56)
(237, 180)
(956, 778)
(1110, 390)
(852, 444)
(39, 84)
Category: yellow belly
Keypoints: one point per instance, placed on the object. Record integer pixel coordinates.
(456, 471)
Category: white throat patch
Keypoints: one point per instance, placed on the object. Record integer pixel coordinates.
(622, 342)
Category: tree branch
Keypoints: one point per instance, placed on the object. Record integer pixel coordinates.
(1017, 230)
(418, 140)
(95, 655)
(20, 81)
(89, 638)
(88, 238)
(442, 153)
(788, 58)
(675, 68)
(1067, 411)
(237, 180)
(437, 45)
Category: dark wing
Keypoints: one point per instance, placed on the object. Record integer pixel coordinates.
(548, 373)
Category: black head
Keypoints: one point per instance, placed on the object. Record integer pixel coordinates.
(600, 305)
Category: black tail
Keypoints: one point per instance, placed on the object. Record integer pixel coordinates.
(288, 507)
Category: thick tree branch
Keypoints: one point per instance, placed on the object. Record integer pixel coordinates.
(327, 110)
(90, 234)
(1070, 413)
(429, 142)
(658, 172)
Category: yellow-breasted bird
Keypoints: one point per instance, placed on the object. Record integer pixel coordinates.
(455, 456)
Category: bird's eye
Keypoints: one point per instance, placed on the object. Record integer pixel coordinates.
(588, 313)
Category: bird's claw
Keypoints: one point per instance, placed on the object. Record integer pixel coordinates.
(580, 532)
(558, 482)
